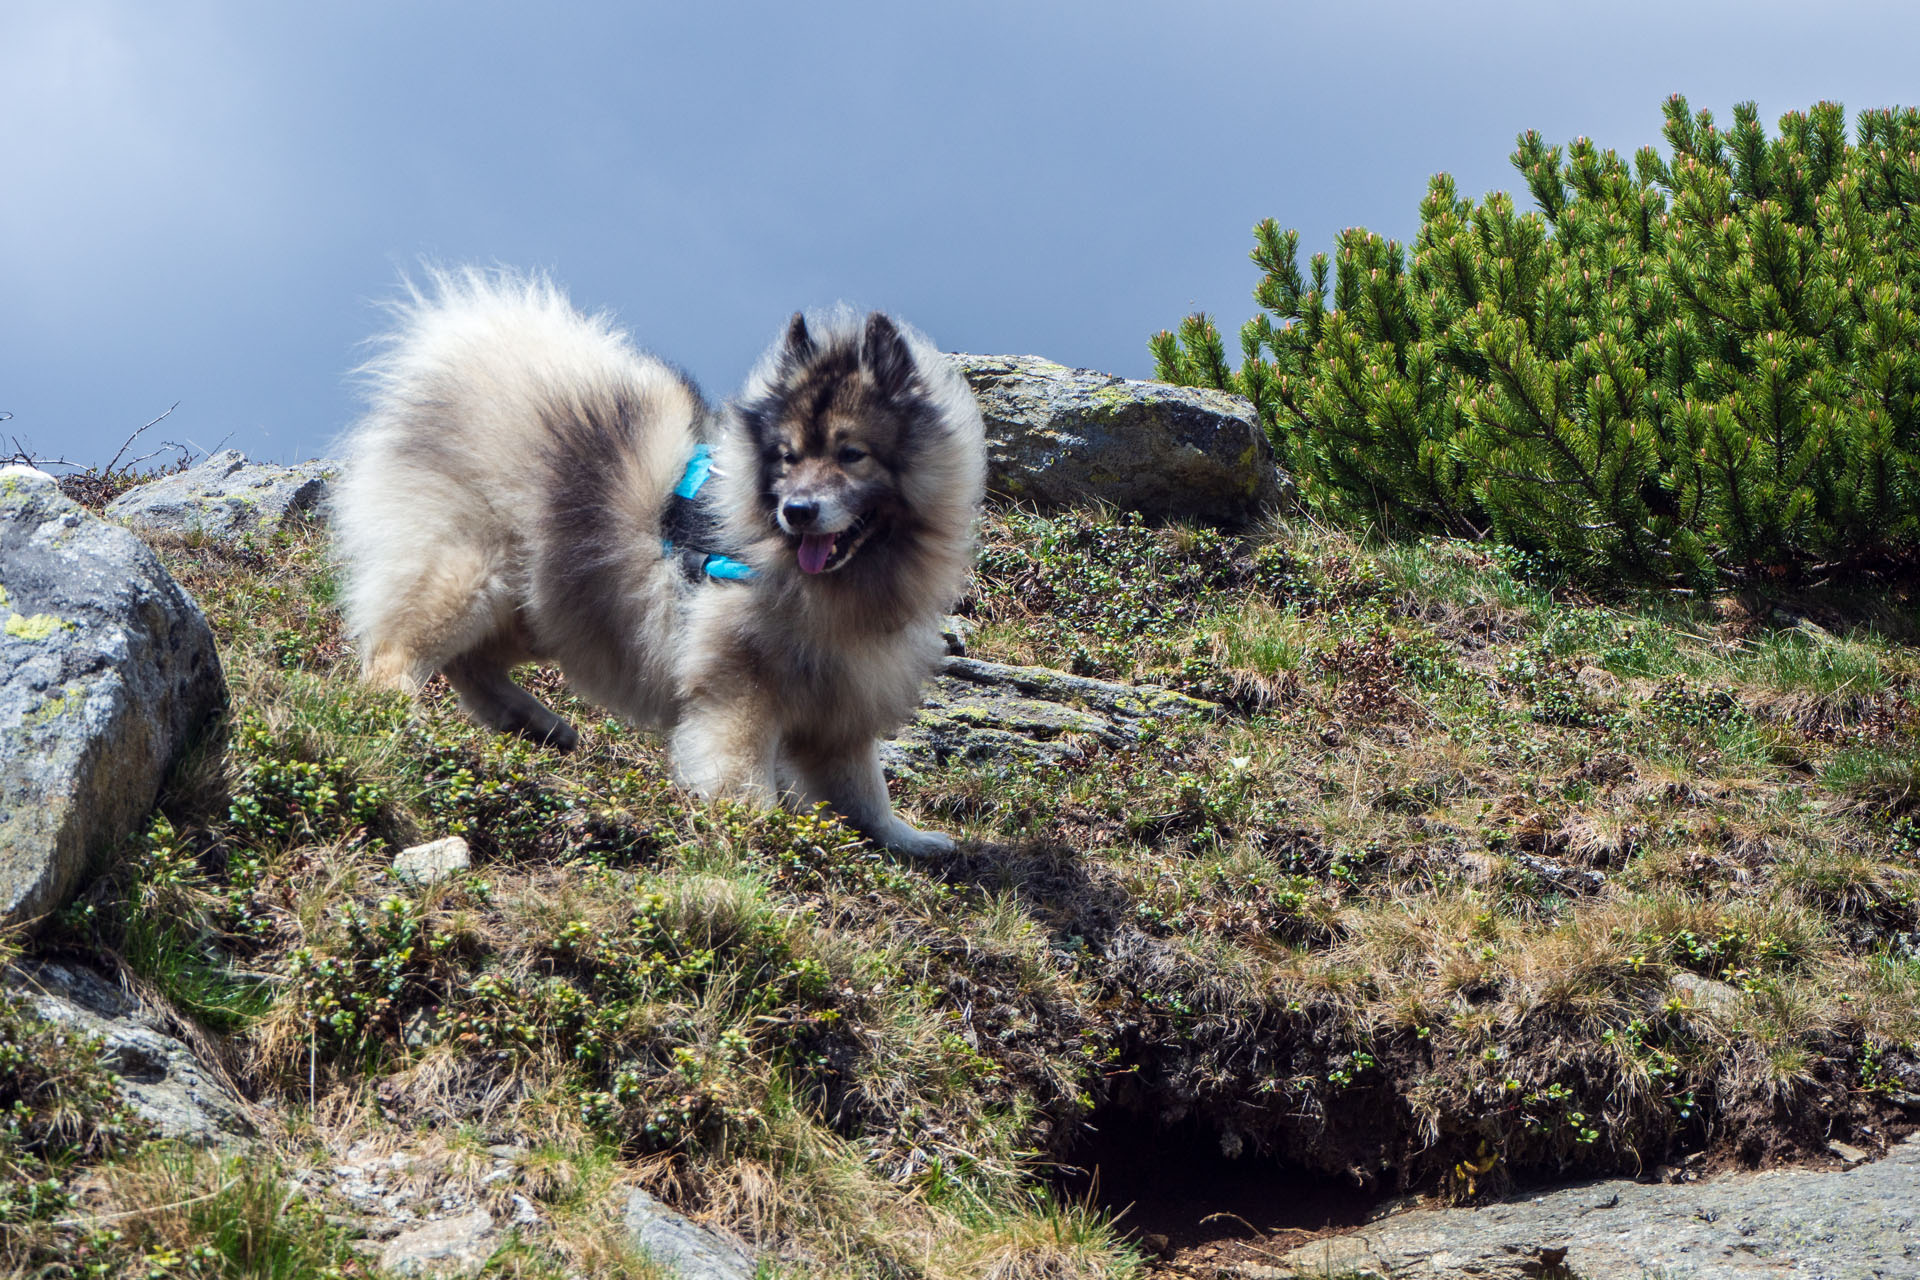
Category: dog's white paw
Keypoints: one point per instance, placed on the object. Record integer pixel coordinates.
(915, 843)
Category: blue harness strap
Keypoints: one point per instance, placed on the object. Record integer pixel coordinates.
(699, 467)
(728, 568)
(724, 568)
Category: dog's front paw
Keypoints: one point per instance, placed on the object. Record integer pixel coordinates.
(915, 843)
(538, 725)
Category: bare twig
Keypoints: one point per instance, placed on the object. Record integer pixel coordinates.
(128, 443)
(1215, 1217)
(98, 1218)
(146, 457)
(23, 452)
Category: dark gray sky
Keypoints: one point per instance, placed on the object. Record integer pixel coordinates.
(201, 201)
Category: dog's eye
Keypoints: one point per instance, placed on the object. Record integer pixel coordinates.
(787, 456)
(850, 455)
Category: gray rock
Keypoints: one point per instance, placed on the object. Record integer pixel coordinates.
(1788, 1225)
(1597, 682)
(693, 1251)
(449, 1247)
(430, 863)
(1705, 995)
(976, 710)
(1058, 436)
(957, 631)
(224, 497)
(159, 1076)
(106, 669)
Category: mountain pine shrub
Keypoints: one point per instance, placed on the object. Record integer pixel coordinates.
(1702, 365)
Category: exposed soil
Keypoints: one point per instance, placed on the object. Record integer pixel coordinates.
(1192, 1208)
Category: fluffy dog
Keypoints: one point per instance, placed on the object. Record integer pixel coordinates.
(525, 487)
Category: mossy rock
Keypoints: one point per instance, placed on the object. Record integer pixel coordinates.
(225, 497)
(107, 668)
(1061, 437)
(979, 711)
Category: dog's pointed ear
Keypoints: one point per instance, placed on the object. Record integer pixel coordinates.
(799, 345)
(885, 356)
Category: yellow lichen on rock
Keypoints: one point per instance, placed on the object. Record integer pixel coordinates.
(32, 627)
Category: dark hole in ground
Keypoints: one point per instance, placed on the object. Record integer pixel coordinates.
(1172, 1190)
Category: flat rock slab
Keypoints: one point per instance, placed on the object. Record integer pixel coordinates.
(693, 1251)
(1796, 1224)
(457, 1246)
(107, 668)
(430, 863)
(1061, 437)
(159, 1076)
(974, 710)
(225, 497)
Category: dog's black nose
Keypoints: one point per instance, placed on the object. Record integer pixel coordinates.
(800, 513)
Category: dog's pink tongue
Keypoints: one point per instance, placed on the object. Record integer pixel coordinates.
(815, 550)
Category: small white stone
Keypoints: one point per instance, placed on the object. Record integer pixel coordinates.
(430, 863)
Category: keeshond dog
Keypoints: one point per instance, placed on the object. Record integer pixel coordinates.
(764, 583)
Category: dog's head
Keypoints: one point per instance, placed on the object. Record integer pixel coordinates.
(834, 430)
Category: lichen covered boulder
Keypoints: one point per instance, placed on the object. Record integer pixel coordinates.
(1787, 1224)
(692, 1251)
(974, 710)
(224, 497)
(107, 668)
(1059, 437)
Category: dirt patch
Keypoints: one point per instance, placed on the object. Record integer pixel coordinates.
(1193, 1209)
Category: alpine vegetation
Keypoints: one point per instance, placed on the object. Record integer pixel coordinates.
(1700, 364)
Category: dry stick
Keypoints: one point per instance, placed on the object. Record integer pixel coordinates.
(128, 442)
(21, 453)
(1359, 758)
(98, 1218)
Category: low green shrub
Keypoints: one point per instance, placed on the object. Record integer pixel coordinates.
(1699, 365)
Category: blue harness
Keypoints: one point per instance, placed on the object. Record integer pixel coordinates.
(725, 568)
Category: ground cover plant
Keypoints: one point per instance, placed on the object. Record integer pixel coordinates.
(1700, 365)
(1473, 881)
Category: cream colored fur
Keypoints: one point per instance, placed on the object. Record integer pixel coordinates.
(453, 561)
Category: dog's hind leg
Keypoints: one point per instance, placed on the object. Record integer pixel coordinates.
(852, 785)
(727, 747)
(409, 619)
(490, 696)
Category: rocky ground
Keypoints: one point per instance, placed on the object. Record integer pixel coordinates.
(1857, 1222)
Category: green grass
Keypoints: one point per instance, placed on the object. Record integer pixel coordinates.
(1414, 899)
